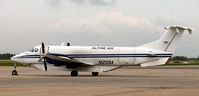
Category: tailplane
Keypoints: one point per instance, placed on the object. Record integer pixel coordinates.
(168, 42)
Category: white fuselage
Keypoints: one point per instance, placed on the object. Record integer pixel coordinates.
(95, 55)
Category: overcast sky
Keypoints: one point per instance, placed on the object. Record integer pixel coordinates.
(26, 23)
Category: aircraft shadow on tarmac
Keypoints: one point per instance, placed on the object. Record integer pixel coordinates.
(41, 75)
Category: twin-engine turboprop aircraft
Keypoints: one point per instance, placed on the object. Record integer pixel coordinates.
(97, 59)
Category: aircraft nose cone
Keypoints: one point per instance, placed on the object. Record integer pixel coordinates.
(13, 58)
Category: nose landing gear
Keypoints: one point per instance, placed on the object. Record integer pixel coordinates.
(14, 72)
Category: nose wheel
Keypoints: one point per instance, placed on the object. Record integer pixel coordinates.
(14, 72)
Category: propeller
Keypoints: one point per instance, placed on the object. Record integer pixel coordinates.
(43, 48)
(43, 52)
(45, 64)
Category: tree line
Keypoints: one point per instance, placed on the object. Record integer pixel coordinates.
(6, 56)
(183, 58)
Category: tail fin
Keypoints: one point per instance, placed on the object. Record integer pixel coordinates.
(168, 42)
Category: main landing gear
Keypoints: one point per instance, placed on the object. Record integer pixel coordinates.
(75, 73)
(14, 72)
(95, 73)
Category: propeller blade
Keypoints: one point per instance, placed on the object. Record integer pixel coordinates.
(45, 64)
(43, 52)
(43, 48)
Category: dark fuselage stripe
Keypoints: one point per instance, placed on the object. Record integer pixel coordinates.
(101, 55)
(111, 55)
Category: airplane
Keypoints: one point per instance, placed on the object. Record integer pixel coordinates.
(97, 59)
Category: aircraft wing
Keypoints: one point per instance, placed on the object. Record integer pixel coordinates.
(66, 59)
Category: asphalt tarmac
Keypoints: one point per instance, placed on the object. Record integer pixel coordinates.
(121, 82)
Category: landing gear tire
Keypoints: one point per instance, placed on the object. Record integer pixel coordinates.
(14, 72)
(95, 73)
(74, 73)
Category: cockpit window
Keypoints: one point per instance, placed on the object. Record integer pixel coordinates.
(34, 50)
(31, 50)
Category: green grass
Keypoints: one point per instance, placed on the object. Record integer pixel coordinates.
(180, 65)
(9, 63)
(175, 63)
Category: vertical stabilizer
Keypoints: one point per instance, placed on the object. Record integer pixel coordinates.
(168, 42)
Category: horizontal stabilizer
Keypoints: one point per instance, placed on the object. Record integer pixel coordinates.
(179, 28)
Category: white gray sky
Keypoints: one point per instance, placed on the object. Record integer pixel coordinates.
(26, 23)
